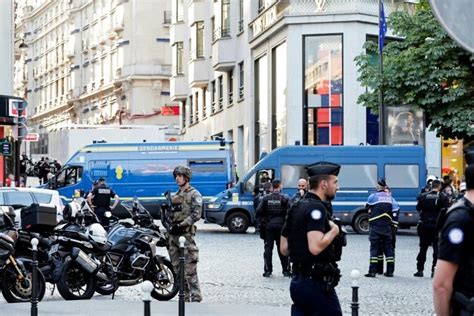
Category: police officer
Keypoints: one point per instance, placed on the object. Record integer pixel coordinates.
(100, 197)
(394, 226)
(23, 167)
(186, 210)
(272, 209)
(302, 187)
(454, 275)
(380, 207)
(260, 227)
(310, 238)
(429, 205)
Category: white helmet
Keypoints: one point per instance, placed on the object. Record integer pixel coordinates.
(431, 178)
(72, 211)
(97, 233)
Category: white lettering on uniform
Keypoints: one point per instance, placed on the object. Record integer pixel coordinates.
(456, 236)
(104, 191)
(316, 214)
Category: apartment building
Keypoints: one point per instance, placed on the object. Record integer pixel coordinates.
(94, 62)
(268, 73)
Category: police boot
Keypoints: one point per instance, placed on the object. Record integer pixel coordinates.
(370, 275)
(419, 274)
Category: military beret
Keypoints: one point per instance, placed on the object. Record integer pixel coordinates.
(323, 167)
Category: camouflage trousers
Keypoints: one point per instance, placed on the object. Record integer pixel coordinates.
(191, 254)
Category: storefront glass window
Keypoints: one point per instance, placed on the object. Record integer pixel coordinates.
(323, 90)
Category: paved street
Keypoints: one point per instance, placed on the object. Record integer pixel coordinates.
(230, 272)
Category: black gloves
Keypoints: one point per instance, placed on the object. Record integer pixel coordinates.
(175, 229)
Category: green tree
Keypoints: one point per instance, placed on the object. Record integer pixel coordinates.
(426, 69)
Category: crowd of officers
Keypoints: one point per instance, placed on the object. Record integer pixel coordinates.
(311, 239)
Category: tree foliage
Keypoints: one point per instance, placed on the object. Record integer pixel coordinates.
(426, 69)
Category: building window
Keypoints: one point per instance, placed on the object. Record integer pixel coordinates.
(213, 96)
(191, 110)
(179, 58)
(230, 83)
(196, 107)
(261, 5)
(241, 80)
(262, 107)
(221, 92)
(199, 39)
(204, 103)
(225, 16)
(179, 11)
(279, 88)
(183, 113)
(323, 90)
(241, 15)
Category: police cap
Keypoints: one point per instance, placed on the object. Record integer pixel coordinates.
(323, 167)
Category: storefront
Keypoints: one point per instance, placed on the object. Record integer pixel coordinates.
(453, 160)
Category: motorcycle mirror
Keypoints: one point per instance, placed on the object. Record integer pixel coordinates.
(108, 214)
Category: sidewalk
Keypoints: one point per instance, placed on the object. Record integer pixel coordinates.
(135, 308)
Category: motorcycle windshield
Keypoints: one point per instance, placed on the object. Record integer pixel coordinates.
(120, 234)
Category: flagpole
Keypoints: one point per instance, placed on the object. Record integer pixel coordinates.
(381, 107)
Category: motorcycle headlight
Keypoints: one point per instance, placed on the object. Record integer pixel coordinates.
(214, 206)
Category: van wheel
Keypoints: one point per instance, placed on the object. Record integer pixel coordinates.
(361, 223)
(237, 223)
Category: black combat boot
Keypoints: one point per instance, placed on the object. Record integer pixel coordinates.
(419, 274)
(370, 275)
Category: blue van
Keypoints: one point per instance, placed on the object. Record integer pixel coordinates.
(145, 170)
(403, 167)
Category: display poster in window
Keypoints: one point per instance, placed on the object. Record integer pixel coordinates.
(405, 126)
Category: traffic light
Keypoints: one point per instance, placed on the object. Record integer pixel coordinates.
(21, 124)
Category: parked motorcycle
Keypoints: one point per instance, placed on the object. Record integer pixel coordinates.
(133, 254)
(69, 255)
(16, 273)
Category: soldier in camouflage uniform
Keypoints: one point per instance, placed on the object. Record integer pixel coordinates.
(187, 203)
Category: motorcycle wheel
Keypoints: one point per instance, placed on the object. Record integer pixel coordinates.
(75, 283)
(165, 281)
(15, 290)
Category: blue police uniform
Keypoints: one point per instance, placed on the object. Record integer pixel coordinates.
(312, 287)
(380, 205)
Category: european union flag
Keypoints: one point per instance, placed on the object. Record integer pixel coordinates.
(382, 26)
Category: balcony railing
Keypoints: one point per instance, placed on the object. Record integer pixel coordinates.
(241, 92)
(220, 33)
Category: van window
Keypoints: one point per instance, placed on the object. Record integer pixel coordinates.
(402, 176)
(357, 176)
(44, 198)
(255, 180)
(290, 174)
(19, 198)
(208, 165)
(69, 176)
(148, 169)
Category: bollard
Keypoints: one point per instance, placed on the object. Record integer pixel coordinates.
(355, 275)
(147, 287)
(182, 240)
(34, 279)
